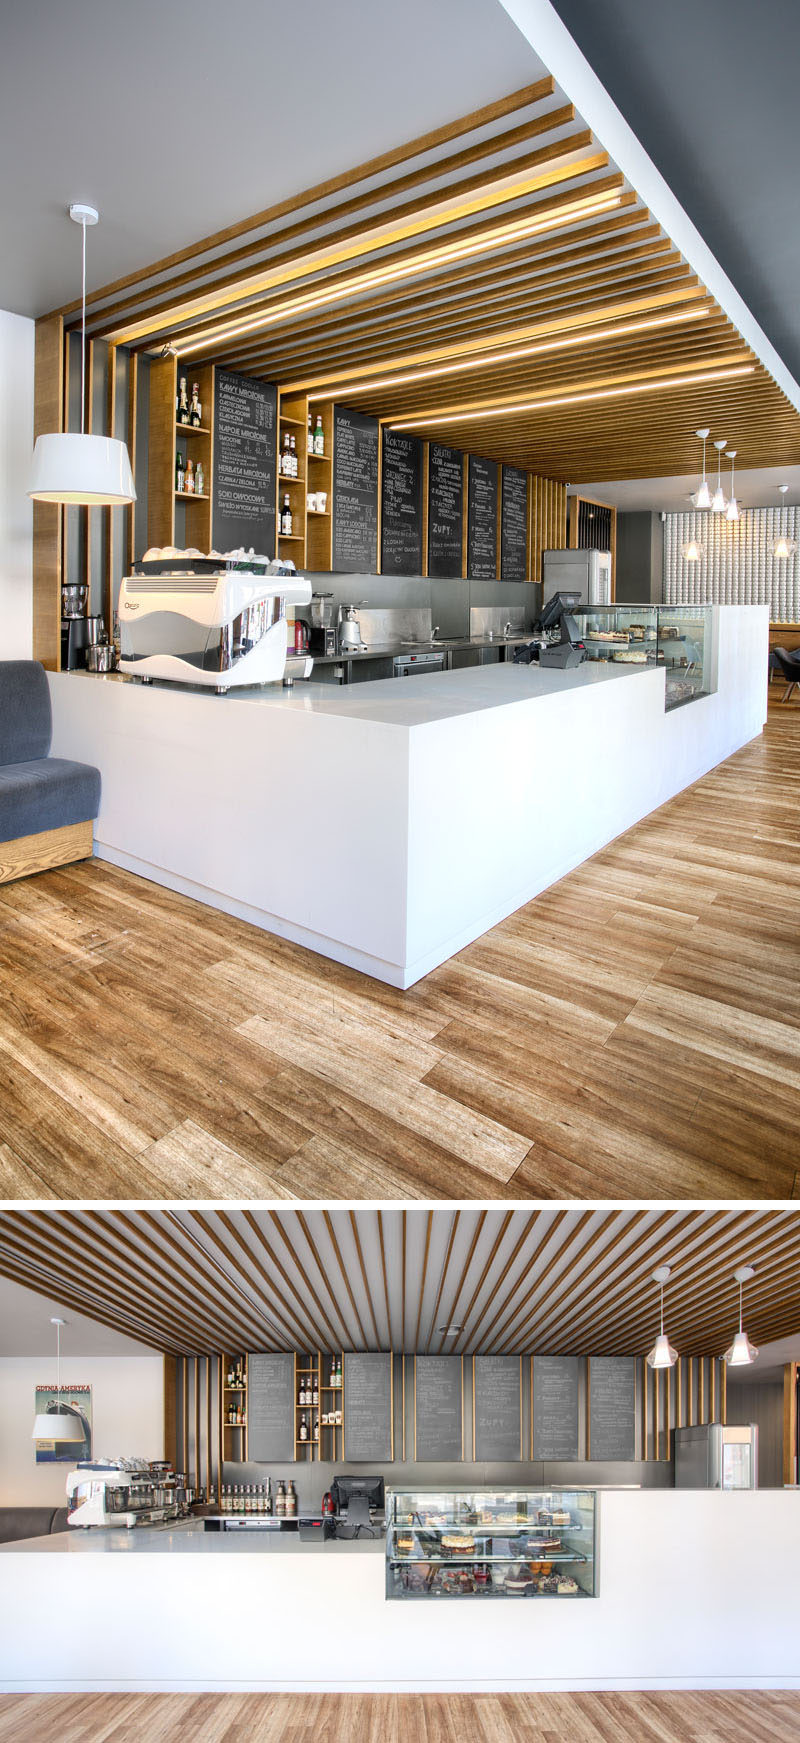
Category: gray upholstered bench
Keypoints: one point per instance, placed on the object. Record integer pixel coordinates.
(47, 804)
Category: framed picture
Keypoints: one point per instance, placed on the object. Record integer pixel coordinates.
(73, 1401)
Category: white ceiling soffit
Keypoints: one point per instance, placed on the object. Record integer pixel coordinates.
(756, 487)
(543, 29)
(25, 1328)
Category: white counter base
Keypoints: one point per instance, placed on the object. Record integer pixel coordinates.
(388, 825)
(696, 1590)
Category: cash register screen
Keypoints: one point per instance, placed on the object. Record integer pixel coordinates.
(559, 606)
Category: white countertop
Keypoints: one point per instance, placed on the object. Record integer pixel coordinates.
(186, 1537)
(404, 701)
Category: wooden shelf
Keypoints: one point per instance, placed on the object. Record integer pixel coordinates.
(321, 459)
(318, 513)
(193, 495)
(296, 423)
(292, 538)
(193, 429)
(284, 481)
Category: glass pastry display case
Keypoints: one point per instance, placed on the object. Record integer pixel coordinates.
(677, 637)
(490, 1543)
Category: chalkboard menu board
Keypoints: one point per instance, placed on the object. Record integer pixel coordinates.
(367, 1407)
(438, 1420)
(555, 1407)
(482, 519)
(514, 525)
(270, 1408)
(445, 512)
(497, 1404)
(245, 464)
(612, 1407)
(355, 492)
(401, 504)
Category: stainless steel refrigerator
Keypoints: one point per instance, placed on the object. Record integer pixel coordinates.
(715, 1457)
(586, 572)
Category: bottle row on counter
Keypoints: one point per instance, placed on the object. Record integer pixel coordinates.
(259, 1498)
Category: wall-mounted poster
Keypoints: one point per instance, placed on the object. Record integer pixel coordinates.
(70, 1401)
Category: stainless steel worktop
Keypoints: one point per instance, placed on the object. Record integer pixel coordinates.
(443, 644)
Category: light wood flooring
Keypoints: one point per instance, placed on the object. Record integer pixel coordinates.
(632, 1033)
(772, 1717)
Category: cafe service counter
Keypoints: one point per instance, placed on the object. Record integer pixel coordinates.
(388, 824)
(693, 1589)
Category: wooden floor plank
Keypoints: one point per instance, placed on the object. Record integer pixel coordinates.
(634, 1032)
(709, 1716)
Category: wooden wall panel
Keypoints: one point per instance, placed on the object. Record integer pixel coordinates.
(48, 518)
(791, 1474)
(691, 1393)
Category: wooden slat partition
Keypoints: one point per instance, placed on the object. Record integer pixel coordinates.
(691, 1393)
(48, 518)
(791, 1474)
(192, 1417)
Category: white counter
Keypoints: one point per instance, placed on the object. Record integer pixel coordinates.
(388, 824)
(695, 1589)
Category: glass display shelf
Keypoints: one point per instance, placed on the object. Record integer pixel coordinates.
(677, 637)
(489, 1544)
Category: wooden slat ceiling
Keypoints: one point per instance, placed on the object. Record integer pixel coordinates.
(506, 253)
(576, 1280)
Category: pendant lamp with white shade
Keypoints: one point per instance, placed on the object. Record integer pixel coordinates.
(79, 468)
(57, 1424)
(741, 1351)
(702, 496)
(718, 502)
(732, 510)
(662, 1355)
(784, 546)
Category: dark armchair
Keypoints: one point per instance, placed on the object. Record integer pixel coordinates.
(788, 664)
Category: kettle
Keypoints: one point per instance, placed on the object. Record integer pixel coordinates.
(302, 635)
(350, 631)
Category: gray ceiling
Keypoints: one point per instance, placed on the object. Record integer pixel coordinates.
(710, 88)
(178, 120)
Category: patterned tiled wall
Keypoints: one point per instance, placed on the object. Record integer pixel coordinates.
(737, 566)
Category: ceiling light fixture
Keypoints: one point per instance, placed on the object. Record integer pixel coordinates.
(662, 1355)
(502, 235)
(57, 1424)
(488, 359)
(732, 510)
(435, 419)
(741, 1350)
(718, 503)
(692, 551)
(702, 497)
(449, 1331)
(72, 468)
(784, 546)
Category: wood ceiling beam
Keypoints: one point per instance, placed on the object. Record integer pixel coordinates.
(296, 1323)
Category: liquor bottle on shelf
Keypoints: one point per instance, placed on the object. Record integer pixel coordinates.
(200, 479)
(180, 472)
(286, 456)
(316, 1429)
(295, 466)
(182, 403)
(314, 1399)
(319, 438)
(310, 448)
(188, 483)
(195, 408)
(286, 519)
(303, 1428)
(230, 1373)
(291, 1501)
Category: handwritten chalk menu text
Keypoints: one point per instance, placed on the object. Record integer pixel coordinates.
(245, 464)
(445, 512)
(367, 1407)
(401, 504)
(270, 1408)
(482, 519)
(555, 1407)
(437, 1408)
(355, 492)
(612, 1407)
(497, 1404)
(514, 525)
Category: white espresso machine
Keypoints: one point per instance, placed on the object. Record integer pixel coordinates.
(119, 1492)
(217, 621)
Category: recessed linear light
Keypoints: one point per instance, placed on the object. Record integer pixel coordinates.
(586, 336)
(516, 231)
(534, 405)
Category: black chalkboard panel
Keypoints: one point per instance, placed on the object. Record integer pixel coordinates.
(270, 1408)
(514, 525)
(438, 1418)
(612, 1407)
(497, 1404)
(355, 492)
(245, 464)
(482, 519)
(401, 504)
(367, 1407)
(445, 512)
(555, 1407)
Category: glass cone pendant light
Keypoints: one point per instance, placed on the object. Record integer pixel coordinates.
(662, 1355)
(692, 552)
(57, 1424)
(741, 1350)
(718, 503)
(732, 510)
(702, 496)
(784, 546)
(73, 468)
